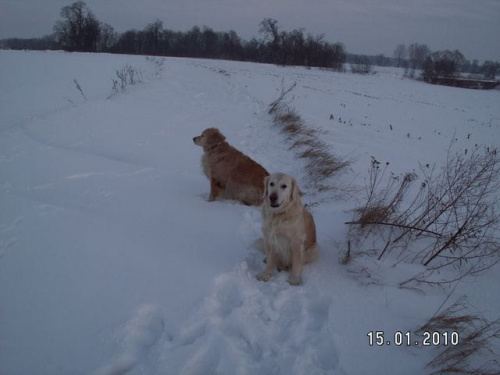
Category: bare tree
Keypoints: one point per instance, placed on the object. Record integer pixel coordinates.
(209, 42)
(490, 69)
(107, 38)
(127, 42)
(400, 54)
(230, 45)
(192, 42)
(417, 53)
(293, 51)
(153, 37)
(79, 29)
(269, 28)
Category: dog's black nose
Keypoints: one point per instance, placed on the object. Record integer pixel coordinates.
(273, 197)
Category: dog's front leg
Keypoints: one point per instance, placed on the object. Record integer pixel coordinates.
(297, 262)
(214, 189)
(270, 266)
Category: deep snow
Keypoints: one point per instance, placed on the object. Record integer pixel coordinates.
(112, 261)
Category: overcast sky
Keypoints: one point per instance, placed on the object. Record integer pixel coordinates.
(364, 26)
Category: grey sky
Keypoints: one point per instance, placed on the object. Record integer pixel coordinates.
(364, 26)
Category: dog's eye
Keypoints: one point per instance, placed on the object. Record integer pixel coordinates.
(271, 184)
(284, 186)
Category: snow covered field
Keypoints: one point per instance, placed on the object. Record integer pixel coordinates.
(112, 261)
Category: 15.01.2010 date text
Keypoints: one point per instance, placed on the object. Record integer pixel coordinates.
(399, 338)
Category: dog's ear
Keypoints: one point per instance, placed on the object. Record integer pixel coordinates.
(266, 182)
(215, 136)
(295, 191)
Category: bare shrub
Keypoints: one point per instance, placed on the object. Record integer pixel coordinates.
(158, 62)
(373, 214)
(79, 88)
(280, 101)
(361, 65)
(451, 222)
(361, 68)
(127, 76)
(382, 204)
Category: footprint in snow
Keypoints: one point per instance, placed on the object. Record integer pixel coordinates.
(245, 326)
(141, 333)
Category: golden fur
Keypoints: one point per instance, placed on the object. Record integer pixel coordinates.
(289, 231)
(232, 174)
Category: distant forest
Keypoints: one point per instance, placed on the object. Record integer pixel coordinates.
(79, 30)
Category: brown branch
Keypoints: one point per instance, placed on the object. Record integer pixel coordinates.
(283, 93)
(393, 225)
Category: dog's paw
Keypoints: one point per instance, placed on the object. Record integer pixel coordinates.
(263, 276)
(294, 280)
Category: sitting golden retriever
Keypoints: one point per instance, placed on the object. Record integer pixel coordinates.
(232, 174)
(288, 229)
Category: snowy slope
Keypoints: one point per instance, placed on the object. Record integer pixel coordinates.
(112, 261)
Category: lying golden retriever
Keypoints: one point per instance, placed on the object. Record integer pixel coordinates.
(288, 229)
(232, 174)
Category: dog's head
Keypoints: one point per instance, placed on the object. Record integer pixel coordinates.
(280, 192)
(209, 139)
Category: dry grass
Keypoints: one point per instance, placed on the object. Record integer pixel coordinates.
(373, 214)
(320, 163)
(288, 116)
(476, 336)
(453, 318)
(292, 128)
(305, 142)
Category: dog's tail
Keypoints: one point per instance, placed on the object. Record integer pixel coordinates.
(311, 253)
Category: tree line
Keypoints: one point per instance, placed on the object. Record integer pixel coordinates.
(79, 30)
(445, 64)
